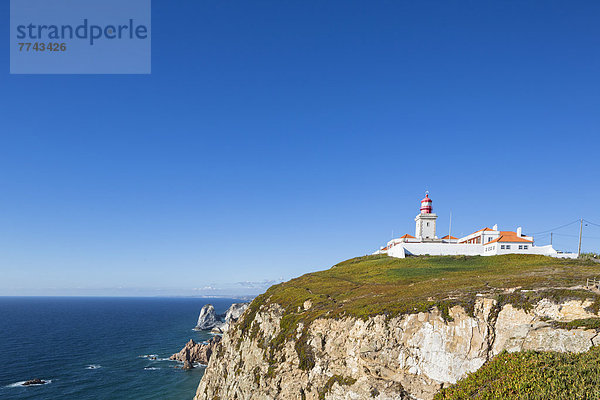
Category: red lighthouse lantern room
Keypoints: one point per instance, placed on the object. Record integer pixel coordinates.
(426, 207)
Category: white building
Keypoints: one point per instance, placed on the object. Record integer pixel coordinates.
(425, 229)
(484, 242)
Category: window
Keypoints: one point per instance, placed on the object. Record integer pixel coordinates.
(520, 247)
(428, 224)
(525, 247)
(508, 247)
(502, 247)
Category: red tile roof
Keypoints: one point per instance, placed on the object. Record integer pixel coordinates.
(407, 236)
(509, 237)
(449, 237)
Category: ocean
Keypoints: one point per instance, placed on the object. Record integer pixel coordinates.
(98, 348)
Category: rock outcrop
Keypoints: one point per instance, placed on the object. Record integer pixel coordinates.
(36, 381)
(187, 365)
(233, 314)
(207, 318)
(410, 356)
(235, 311)
(197, 352)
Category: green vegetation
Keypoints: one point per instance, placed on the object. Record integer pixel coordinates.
(588, 323)
(256, 373)
(340, 380)
(532, 375)
(590, 256)
(373, 285)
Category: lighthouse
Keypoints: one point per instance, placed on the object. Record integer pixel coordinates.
(483, 242)
(425, 220)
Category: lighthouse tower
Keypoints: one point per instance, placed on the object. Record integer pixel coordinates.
(425, 228)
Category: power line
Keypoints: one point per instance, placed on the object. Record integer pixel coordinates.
(574, 236)
(554, 229)
(589, 222)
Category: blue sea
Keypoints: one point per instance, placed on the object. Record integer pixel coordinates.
(98, 348)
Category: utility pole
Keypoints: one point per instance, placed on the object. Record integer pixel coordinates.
(551, 238)
(580, 232)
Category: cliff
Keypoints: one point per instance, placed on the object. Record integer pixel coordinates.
(383, 328)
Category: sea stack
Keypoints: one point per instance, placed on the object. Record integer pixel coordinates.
(207, 319)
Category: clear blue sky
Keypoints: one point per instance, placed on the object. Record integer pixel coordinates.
(277, 138)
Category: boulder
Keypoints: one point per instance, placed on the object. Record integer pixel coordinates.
(207, 318)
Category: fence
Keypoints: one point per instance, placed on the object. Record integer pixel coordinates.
(593, 283)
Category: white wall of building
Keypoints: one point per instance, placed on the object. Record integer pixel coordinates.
(508, 248)
(548, 250)
(401, 250)
(425, 226)
(434, 249)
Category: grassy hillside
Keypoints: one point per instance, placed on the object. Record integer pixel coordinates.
(371, 285)
(532, 375)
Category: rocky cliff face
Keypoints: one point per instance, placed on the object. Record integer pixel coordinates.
(405, 357)
(235, 312)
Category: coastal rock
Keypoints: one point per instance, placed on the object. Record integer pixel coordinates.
(406, 357)
(36, 381)
(219, 328)
(235, 311)
(207, 318)
(197, 352)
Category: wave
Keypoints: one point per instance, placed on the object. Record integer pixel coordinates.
(20, 384)
(148, 356)
(93, 366)
(151, 368)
